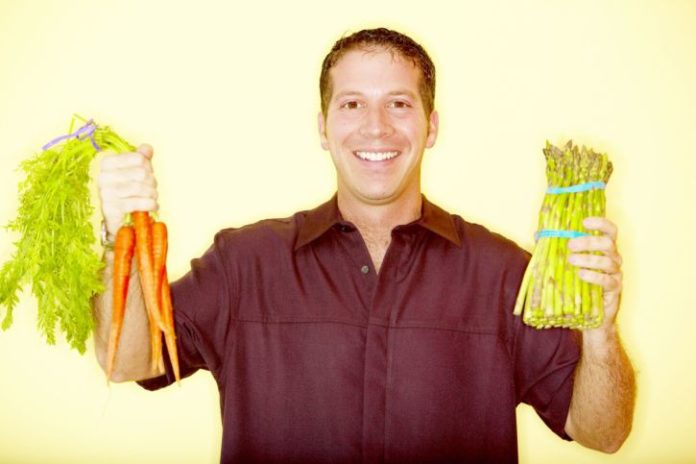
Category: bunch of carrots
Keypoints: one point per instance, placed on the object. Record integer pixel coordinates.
(146, 239)
(55, 250)
(149, 239)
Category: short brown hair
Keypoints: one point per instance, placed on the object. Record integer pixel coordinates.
(391, 41)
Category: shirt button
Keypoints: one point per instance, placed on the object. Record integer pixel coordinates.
(365, 269)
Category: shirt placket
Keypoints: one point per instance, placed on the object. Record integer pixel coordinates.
(377, 357)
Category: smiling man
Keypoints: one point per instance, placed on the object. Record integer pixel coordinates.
(376, 327)
(376, 126)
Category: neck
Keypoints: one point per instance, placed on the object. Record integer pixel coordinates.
(376, 221)
(380, 219)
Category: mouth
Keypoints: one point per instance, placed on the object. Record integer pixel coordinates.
(376, 156)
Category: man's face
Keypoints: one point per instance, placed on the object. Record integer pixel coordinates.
(376, 128)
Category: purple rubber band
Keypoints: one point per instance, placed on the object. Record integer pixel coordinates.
(89, 133)
(85, 131)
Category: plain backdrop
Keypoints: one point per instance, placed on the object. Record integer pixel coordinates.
(227, 93)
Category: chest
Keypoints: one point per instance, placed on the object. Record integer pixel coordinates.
(341, 361)
(421, 281)
(377, 246)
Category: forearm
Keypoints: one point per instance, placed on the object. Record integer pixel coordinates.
(601, 409)
(133, 353)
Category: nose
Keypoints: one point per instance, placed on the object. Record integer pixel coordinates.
(376, 123)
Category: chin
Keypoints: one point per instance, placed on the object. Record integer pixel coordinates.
(379, 197)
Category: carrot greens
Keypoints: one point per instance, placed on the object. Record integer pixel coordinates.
(55, 254)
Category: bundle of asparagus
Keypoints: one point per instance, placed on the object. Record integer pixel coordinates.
(552, 294)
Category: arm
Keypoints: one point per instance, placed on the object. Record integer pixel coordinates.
(126, 183)
(601, 409)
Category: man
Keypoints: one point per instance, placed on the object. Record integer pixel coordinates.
(376, 327)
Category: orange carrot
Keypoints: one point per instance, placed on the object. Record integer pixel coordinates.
(143, 245)
(159, 257)
(156, 360)
(170, 336)
(159, 253)
(123, 254)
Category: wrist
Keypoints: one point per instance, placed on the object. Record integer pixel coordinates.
(601, 336)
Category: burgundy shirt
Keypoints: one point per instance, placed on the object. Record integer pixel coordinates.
(318, 358)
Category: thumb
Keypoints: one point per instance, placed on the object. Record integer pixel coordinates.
(146, 150)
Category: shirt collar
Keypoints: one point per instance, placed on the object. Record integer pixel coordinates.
(439, 221)
(320, 219)
(317, 221)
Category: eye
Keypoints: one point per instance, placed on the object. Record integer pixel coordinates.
(351, 105)
(399, 104)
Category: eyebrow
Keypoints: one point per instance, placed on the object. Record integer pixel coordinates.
(350, 93)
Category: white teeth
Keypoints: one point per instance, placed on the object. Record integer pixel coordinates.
(376, 155)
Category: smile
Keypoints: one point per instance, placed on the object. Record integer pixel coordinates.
(376, 155)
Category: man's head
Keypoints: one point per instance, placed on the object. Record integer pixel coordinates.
(375, 120)
(387, 40)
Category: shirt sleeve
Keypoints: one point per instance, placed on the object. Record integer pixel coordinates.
(545, 361)
(201, 317)
(544, 374)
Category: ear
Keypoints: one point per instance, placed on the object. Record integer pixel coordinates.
(433, 125)
(321, 124)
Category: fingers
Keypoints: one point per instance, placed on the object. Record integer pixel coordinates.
(599, 261)
(609, 282)
(602, 243)
(608, 264)
(605, 243)
(146, 150)
(126, 183)
(129, 190)
(584, 249)
(601, 224)
(113, 161)
(134, 175)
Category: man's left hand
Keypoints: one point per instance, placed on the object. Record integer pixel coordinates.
(602, 268)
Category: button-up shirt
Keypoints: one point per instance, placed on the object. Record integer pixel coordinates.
(319, 358)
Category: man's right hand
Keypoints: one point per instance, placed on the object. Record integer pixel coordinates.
(126, 184)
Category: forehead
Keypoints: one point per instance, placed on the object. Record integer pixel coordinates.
(374, 71)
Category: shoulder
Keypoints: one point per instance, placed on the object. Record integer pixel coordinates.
(470, 238)
(481, 243)
(266, 236)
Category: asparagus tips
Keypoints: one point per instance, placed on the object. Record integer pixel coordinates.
(551, 293)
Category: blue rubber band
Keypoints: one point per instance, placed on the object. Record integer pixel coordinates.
(550, 233)
(577, 188)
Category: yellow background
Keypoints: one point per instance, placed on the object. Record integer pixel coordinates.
(227, 94)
